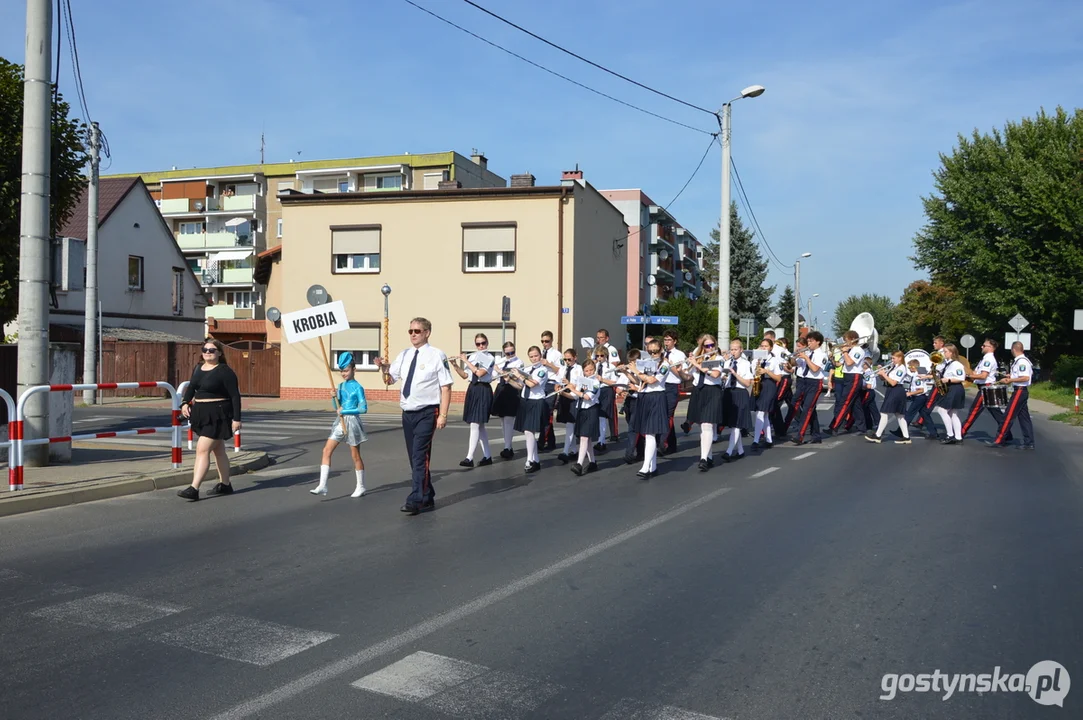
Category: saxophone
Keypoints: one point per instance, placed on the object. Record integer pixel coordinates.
(938, 382)
(757, 380)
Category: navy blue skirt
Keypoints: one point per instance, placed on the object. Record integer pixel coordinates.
(532, 416)
(651, 413)
(735, 409)
(586, 422)
(894, 400)
(607, 399)
(768, 395)
(478, 404)
(565, 409)
(706, 405)
(506, 402)
(955, 398)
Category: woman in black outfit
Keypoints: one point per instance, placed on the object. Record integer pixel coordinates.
(215, 415)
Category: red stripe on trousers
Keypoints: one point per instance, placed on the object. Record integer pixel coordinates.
(928, 405)
(846, 404)
(782, 388)
(1008, 417)
(808, 418)
(975, 411)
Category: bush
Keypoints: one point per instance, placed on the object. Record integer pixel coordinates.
(1066, 369)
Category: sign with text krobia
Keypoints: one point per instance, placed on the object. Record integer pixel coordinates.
(315, 322)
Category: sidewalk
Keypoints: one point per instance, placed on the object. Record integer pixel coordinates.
(98, 472)
(264, 404)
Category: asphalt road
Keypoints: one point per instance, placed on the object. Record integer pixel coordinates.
(785, 585)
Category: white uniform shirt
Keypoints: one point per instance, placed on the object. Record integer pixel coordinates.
(870, 377)
(900, 375)
(819, 357)
(954, 370)
(777, 351)
(482, 360)
(605, 370)
(858, 356)
(570, 379)
(614, 356)
(554, 356)
(916, 383)
(742, 368)
(541, 375)
(592, 387)
(430, 374)
(988, 364)
(1022, 367)
(508, 365)
(663, 372)
(705, 378)
(774, 365)
(673, 358)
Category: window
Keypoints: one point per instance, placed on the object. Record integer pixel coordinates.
(285, 186)
(363, 340)
(386, 181)
(489, 248)
(468, 331)
(178, 291)
(278, 227)
(191, 228)
(196, 264)
(344, 186)
(135, 272)
(241, 299)
(432, 179)
(355, 249)
(330, 184)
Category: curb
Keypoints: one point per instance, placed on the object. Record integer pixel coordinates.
(140, 484)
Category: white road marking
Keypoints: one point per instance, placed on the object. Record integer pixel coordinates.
(243, 639)
(768, 471)
(629, 709)
(94, 419)
(494, 695)
(426, 628)
(832, 444)
(108, 611)
(419, 676)
(802, 456)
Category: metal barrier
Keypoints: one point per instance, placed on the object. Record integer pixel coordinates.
(18, 441)
(10, 442)
(191, 437)
(1077, 394)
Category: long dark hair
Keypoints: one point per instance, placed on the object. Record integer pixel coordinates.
(221, 349)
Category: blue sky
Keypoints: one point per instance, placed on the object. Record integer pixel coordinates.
(861, 98)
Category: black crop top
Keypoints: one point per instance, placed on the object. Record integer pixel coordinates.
(217, 384)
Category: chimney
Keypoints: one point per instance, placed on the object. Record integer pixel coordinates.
(523, 180)
(449, 185)
(479, 158)
(569, 177)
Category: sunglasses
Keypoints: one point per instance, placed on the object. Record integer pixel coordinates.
(481, 344)
(569, 360)
(415, 331)
(707, 345)
(210, 350)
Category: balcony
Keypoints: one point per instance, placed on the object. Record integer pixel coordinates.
(175, 206)
(237, 203)
(192, 241)
(222, 311)
(236, 276)
(663, 267)
(214, 240)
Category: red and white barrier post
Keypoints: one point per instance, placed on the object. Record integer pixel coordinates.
(237, 441)
(1077, 394)
(18, 442)
(13, 458)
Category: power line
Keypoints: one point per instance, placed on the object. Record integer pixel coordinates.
(552, 72)
(686, 184)
(755, 233)
(589, 62)
(77, 71)
(756, 222)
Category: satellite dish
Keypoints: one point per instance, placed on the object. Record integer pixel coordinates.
(651, 280)
(664, 254)
(274, 314)
(317, 295)
(199, 205)
(687, 275)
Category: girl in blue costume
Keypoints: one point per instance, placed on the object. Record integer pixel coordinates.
(351, 405)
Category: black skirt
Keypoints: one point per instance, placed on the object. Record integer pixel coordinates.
(693, 404)
(954, 399)
(506, 401)
(707, 407)
(586, 422)
(532, 415)
(479, 403)
(565, 409)
(894, 400)
(212, 419)
(629, 411)
(735, 409)
(768, 395)
(651, 414)
(607, 400)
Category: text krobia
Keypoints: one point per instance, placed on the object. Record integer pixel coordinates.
(315, 322)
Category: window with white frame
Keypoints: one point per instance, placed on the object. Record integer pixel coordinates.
(362, 340)
(492, 331)
(240, 299)
(278, 227)
(178, 291)
(355, 249)
(383, 181)
(135, 272)
(330, 184)
(191, 228)
(489, 248)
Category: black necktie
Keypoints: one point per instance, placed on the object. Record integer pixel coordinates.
(410, 376)
(700, 379)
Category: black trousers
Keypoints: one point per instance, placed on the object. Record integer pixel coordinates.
(418, 426)
(851, 391)
(808, 393)
(1017, 408)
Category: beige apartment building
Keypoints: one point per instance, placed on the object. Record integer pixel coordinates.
(449, 255)
(224, 217)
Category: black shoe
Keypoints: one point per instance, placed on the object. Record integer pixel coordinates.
(817, 441)
(703, 466)
(577, 469)
(769, 445)
(188, 493)
(467, 463)
(645, 475)
(485, 461)
(756, 445)
(507, 453)
(564, 458)
(427, 507)
(897, 432)
(592, 467)
(873, 437)
(221, 489)
(950, 441)
(686, 427)
(409, 509)
(797, 440)
(630, 459)
(599, 447)
(994, 444)
(533, 467)
(1028, 447)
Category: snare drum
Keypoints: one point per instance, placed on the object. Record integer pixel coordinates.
(994, 396)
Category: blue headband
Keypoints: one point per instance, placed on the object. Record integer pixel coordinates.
(345, 361)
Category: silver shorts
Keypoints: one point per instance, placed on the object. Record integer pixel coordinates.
(355, 431)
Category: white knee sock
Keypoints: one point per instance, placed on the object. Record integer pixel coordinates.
(884, 419)
(650, 454)
(321, 489)
(901, 419)
(957, 424)
(584, 450)
(483, 433)
(706, 439)
(946, 417)
(569, 437)
(509, 429)
(760, 415)
(474, 432)
(531, 446)
(737, 445)
(360, 489)
(603, 427)
(768, 429)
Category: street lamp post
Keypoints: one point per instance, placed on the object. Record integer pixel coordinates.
(797, 296)
(724, 222)
(809, 315)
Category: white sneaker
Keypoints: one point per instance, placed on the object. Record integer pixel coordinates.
(359, 491)
(321, 490)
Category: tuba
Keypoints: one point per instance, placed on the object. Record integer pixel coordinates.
(938, 382)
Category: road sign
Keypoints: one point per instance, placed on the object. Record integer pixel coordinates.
(505, 310)
(632, 319)
(774, 320)
(1018, 322)
(664, 320)
(315, 322)
(968, 341)
(1022, 337)
(1078, 320)
(780, 332)
(747, 327)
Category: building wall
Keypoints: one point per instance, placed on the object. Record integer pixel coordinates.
(421, 259)
(117, 239)
(599, 290)
(472, 175)
(273, 298)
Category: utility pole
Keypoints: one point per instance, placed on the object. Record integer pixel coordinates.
(796, 302)
(34, 235)
(724, 238)
(90, 318)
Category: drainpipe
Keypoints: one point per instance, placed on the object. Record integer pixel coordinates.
(560, 268)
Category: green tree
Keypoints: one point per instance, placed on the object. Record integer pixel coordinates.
(1005, 227)
(879, 306)
(784, 307)
(695, 319)
(68, 157)
(925, 311)
(749, 297)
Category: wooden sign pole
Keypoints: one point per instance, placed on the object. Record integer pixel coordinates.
(331, 379)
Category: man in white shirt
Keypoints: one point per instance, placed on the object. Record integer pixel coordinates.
(424, 399)
(851, 388)
(608, 400)
(934, 394)
(1019, 377)
(810, 383)
(985, 375)
(554, 362)
(673, 358)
